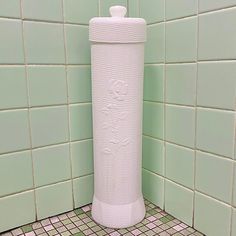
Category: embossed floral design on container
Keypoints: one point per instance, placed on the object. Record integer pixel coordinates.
(118, 89)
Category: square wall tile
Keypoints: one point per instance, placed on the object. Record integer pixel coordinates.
(217, 84)
(234, 186)
(13, 89)
(215, 4)
(54, 199)
(213, 34)
(81, 122)
(10, 8)
(214, 176)
(48, 10)
(153, 188)
(153, 155)
(180, 125)
(47, 85)
(82, 158)
(181, 84)
(180, 165)
(234, 222)
(49, 125)
(181, 40)
(85, 196)
(77, 44)
(155, 45)
(153, 119)
(133, 6)
(106, 4)
(152, 11)
(44, 43)
(179, 202)
(211, 217)
(80, 11)
(23, 207)
(11, 42)
(79, 83)
(154, 83)
(215, 131)
(51, 164)
(15, 173)
(14, 126)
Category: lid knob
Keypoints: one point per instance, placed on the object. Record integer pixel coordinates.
(118, 11)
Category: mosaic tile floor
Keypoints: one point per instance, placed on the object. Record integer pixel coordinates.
(80, 223)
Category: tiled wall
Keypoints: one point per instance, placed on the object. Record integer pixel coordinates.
(189, 161)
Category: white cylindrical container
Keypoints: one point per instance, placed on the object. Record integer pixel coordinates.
(117, 54)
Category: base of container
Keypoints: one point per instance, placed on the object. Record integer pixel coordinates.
(118, 216)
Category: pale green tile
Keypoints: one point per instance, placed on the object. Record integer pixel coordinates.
(77, 44)
(217, 84)
(180, 125)
(106, 4)
(215, 4)
(47, 85)
(54, 199)
(82, 158)
(49, 125)
(49, 10)
(234, 222)
(133, 6)
(153, 188)
(15, 173)
(51, 164)
(214, 176)
(79, 84)
(83, 190)
(154, 83)
(11, 42)
(13, 90)
(153, 123)
(80, 121)
(14, 126)
(215, 40)
(215, 131)
(181, 40)
(234, 186)
(44, 43)
(180, 165)
(179, 202)
(211, 217)
(80, 11)
(10, 8)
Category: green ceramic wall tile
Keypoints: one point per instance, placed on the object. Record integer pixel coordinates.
(49, 125)
(181, 84)
(51, 164)
(153, 155)
(11, 42)
(216, 84)
(152, 11)
(155, 45)
(234, 222)
(47, 85)
(214, 176)
(211, 217)
(215, 131)
(180, 125)
(23, 207)
(48, 10)
(14, 126)
(181, 40)
(133, 6)
(85, 196)
(154, 83)
(153, 188)
(44, 43)
(16, 169)
(10, 8)
(215, 4)
(180, 165)
(153, 119)
(82, 158)
(13, 90)
(106, 4)
(79, 83)
(80, 121)
(77, 44)
(179, 202)
(80, 11)
(214, 35)
(234, 186)
(54, 199)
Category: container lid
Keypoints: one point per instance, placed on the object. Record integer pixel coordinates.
(117, 28)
